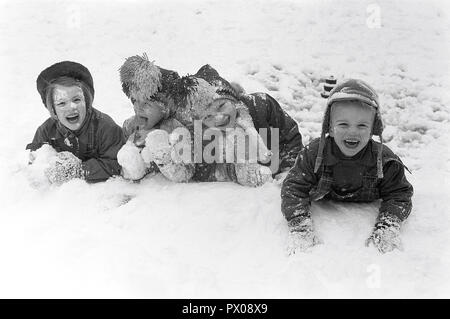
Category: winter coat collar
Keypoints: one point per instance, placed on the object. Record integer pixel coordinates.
(333, 155)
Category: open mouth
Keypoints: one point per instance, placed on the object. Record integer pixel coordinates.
(72, 119)
(222, 120)
(219, 121)
(351, 143)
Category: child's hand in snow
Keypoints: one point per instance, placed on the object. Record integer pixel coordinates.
(252, 174)
(386, 235)
(65, 167)
(301, 235)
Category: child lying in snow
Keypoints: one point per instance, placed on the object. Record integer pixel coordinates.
(161, 98)
(87, 140)
(347, 165)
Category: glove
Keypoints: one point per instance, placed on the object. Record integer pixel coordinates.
(65, 167)
(301, 235)
(386, 234)
(252, 174)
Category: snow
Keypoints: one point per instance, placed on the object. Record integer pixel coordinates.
(131, 161)
(210, 240)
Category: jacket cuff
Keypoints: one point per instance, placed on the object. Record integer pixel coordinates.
(386, 220)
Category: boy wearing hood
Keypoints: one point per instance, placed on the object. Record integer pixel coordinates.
(87, 140)
(345, 164)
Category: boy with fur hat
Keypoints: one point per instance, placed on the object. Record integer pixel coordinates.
(347, 165)
(208, 98)
(150, 132)
(87, 140)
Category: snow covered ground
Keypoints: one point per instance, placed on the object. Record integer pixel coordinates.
(211, 240)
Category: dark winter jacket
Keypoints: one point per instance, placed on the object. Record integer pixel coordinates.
(266, 113)
(96, 143)
(346, 179)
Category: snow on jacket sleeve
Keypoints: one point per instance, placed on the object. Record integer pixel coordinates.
(290, 137)
(395, 191)
(266, 112)
(110, 138)
(295, 198)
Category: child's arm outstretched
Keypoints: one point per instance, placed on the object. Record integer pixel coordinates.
(396, 193)
(105, 165)
(296, 204)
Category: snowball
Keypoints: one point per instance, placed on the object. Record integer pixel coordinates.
(129, 157)
(40, 161)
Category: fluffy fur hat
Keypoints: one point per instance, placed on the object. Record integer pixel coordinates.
(142, 79)
(66, 68)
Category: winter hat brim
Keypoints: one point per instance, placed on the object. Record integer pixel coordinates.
(65, 68)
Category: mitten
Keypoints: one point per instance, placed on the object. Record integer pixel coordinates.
(301, 235)
(130, 159)
(252, 174)
(157, 148)
(386, 234)
(167, 151)
(65, 167)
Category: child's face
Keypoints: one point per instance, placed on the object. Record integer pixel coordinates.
(70, 106)
(351, 126)
(149, 113)
(221, 114)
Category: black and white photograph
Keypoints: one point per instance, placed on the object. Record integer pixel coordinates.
(211, 149)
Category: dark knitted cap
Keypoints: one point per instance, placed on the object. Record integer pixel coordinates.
(66, 68)
(210, 75)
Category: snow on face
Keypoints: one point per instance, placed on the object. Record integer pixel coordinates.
(351, 126)
(70, 106)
